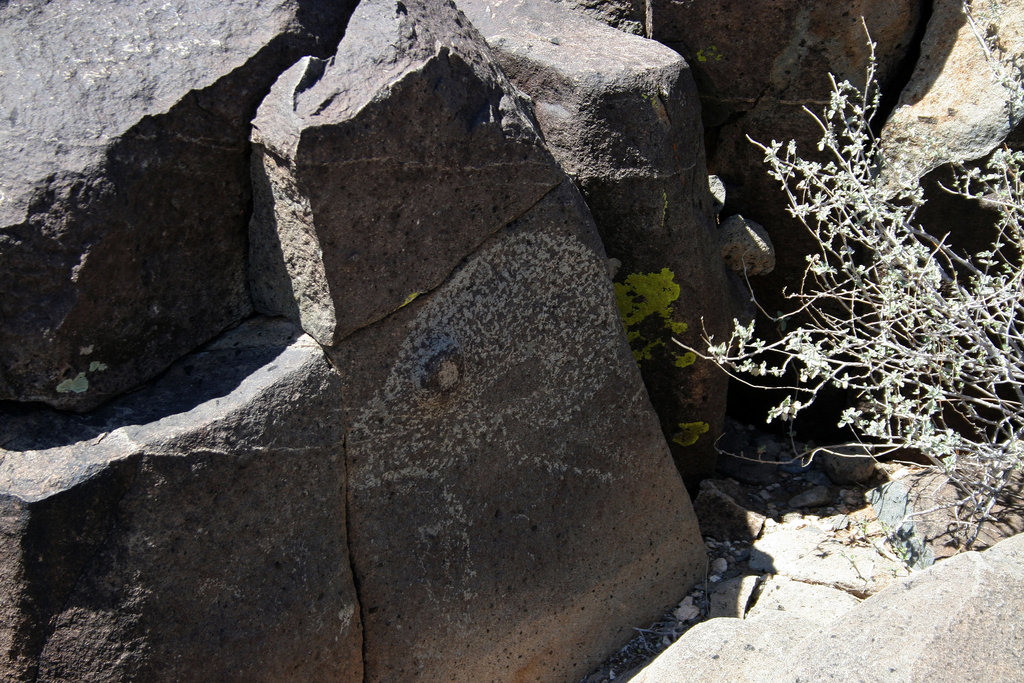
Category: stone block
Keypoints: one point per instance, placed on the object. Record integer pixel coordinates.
(193, 530)
(124, 192)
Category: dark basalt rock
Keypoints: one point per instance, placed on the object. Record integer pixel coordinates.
(124, 187)
(378, 171)
(194, 530)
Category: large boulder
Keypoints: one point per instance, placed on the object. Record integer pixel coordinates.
(513, 508)
(378, 171)
(622, 115)
(194, 530)
(959, 104)
(757, 64)
(514, 511)
(124, 188)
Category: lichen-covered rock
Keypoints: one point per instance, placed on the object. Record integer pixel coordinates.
(621, 114)
(378, 171)
(956, 107)
(193, 530)
(124, 192)
(514, 511)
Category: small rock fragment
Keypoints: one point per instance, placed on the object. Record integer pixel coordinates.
(847, 465)
(814, 497)
(717, 188)
(686, 610)
(722, 517)
(746, 246)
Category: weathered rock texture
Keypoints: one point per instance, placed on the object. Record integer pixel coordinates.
(514, 510)
(958, 620)
(194, 530)
(621, 114)
(626, 15)
(757, 64)
(124, 190)
(378, 171)
(956, 107)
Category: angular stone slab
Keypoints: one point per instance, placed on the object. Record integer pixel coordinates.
(621, 113)
(124, 193)
(789, 56)
(378, 171)
(958, 620)
(955, 107)
(808, 554)
(194, 530)
(822, 605)
(514, 511)
(726, 649)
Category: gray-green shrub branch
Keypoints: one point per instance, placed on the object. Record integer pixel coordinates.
(929, 341)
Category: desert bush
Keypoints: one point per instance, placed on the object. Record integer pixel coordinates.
(928, 340)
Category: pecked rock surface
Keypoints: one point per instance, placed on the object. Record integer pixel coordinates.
(621, 115)
(376, 172)
(193, 530)
(514, 511)
(124, 189)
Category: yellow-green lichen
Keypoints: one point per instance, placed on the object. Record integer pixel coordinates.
(689, 432)
(685, 360)
(97, 366)
(76, 385)
(646, 294)
(641, 297)
(710, 52)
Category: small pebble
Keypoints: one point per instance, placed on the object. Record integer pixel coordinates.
(852, 497)
(719, 565)
(686, 610)
(714, 578)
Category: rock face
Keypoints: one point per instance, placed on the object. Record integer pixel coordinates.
(621, 114)
(470, 485)
(385, 167)
(415, 224)
(123, 184)
(756, 82)
(514, 509)
(956, 107)
(955, 621)
(193, 530)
